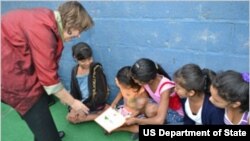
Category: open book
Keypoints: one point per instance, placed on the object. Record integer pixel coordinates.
(110, 119)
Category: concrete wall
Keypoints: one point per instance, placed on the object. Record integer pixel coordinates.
(211, 34)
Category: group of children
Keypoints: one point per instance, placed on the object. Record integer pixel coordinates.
(194, 96)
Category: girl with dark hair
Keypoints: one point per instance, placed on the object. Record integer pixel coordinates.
(157, 83)
(192, 84)
(129, 90)
(230, 90)
(134, 97)
(88, 84)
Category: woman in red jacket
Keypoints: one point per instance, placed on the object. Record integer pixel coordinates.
(32, 43)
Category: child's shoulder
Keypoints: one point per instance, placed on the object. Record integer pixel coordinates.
(210, 107)
(165, 84)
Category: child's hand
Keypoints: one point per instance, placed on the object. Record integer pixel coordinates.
(82, 116)
(76, 116)
(131, 121)
(72, 116)
(113, 106)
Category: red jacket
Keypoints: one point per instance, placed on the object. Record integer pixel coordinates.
(31, 48)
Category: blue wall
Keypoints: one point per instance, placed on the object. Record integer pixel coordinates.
(211, 34)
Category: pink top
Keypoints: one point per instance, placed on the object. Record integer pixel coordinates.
(164, 85)
(160, 88)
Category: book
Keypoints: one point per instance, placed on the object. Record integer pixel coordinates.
(110, 119)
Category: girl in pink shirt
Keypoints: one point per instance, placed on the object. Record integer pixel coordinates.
(157, 83)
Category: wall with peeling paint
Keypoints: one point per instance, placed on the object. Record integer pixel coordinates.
(214, 35)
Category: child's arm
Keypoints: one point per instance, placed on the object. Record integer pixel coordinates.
(116, 100)
(159, 118)
(135, 113)
(141, 99)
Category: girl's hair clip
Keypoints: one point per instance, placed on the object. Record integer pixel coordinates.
(137, 65)
(245, 76)
(156, 66)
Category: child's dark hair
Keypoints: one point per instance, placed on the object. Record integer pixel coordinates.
(145, 70)
(81, 51)
(232, 87)
(191, 77)
(124, 77)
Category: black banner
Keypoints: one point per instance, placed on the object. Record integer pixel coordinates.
(175, 132)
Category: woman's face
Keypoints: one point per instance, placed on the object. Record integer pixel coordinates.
(216, 99)
(70, 35)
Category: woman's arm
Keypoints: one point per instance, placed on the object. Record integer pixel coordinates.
(75, 104)
(161, 112)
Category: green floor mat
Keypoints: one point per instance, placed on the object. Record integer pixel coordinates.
(14, 128)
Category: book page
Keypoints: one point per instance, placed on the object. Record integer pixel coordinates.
(110, 119)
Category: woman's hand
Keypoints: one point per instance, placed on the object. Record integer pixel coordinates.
(75, 104)
(79, 106)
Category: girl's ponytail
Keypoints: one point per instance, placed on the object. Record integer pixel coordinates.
(208, 77)
(161, 71)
